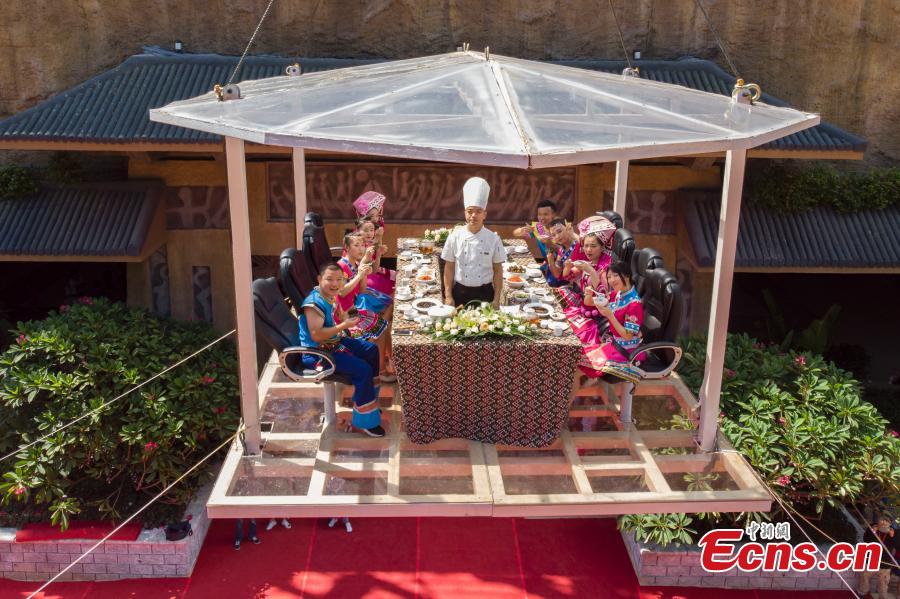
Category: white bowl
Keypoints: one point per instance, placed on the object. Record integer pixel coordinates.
(534, 273)
(410, 268)
(515, 285)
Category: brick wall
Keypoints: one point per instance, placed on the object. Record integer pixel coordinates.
(681, 568)
(150, 556)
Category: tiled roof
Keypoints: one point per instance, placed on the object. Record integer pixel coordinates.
(818, 238)
(112, 107)
(83, 221)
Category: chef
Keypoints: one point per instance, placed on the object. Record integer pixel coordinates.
(474, 254)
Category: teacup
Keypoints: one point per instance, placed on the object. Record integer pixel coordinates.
(424, 320)
(404, 290)
(600, 299)
(558, 328)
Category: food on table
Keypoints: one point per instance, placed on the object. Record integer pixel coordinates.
(516, 268)
(516, 279)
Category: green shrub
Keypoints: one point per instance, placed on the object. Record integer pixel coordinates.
(108, 465)
(17, 182)
(801, 424)
(789, 188)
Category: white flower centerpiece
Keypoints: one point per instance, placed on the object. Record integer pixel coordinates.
(480, 321)
(439, 236)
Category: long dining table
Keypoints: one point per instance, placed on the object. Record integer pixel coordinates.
(508, 391)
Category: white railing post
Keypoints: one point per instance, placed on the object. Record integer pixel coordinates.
(729, 216)
(299, 162)
(243, 296)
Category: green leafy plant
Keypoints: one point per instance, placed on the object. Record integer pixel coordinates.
(17, 182)
(111, 463)
(802, 425)
(815, 337)
(65, 169)
(788, 188)
(475, 322)
(660, 529)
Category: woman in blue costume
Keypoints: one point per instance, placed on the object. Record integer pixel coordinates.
(322, 325)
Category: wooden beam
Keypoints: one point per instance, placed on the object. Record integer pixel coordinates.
(243, 300)
(726, 246)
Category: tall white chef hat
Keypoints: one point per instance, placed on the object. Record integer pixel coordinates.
(475, 192)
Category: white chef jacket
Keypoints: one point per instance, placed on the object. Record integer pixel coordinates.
(473, 255)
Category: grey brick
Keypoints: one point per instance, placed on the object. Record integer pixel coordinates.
(142, 569)
(166, 571)
(176, 559)
(95, 568)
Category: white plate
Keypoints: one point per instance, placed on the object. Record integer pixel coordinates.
(423, 304)
(558, 316)
(442, 311)
(538, 308)
(520, 249)
(403, 298)
(533, 265)
(534, 273)
(406, 255)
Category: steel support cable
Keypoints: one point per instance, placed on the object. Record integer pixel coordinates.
(718, 40)
(115, 399)
(250, 43)
(621, 37)
(134, 515)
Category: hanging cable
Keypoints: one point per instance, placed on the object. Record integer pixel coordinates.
(621, 37)
(715, 33)
(115, 399)
(250, 43)
(134, 515)
(808, 538)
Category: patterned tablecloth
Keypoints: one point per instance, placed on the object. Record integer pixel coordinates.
(510, 392)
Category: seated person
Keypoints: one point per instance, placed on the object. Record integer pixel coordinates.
(474, 254)
(625, 313)
(374, 307)
(539, 230)
(587, 275)
(381, 279)
(322, 325)
(566, 244)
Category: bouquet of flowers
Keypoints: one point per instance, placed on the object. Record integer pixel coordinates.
(439, 236)
(482, 321)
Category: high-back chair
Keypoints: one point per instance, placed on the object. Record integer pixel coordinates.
(315, 244)
(659, 352)
(622, 246)
(295, 276)
(278, 326)
(642, 261)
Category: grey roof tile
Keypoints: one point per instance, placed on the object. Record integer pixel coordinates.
(818, 238)
(109, 220)
(113, 106)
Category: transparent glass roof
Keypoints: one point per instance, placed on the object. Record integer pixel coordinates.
(461, 107)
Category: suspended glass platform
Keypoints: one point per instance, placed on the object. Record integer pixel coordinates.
(597, 467)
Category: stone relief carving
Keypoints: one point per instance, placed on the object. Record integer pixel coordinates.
(201, 282)
(651, 212)
(160, 302)
(419, 192)
(196, 207)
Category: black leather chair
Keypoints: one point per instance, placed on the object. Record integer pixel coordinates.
(613, 217)
(659, 351)
(295, 276)
(278, 326)
(315, 244)
(642, 261)
(622, 246)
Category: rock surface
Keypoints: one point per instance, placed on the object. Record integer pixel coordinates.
(830, 57)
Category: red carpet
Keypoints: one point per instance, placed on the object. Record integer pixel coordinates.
(408, 558)
(42, 531)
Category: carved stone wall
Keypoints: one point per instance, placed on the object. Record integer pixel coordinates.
(419, 192)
